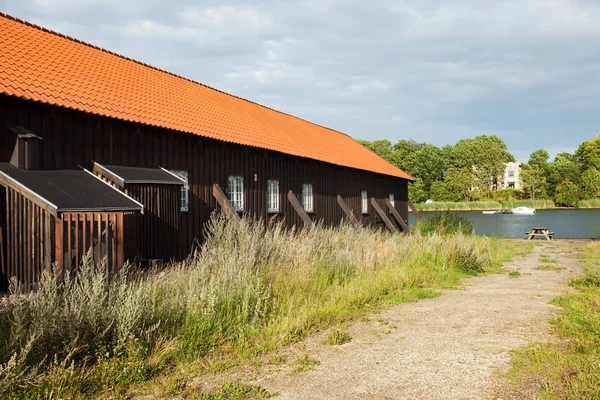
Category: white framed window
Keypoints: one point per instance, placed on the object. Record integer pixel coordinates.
(184, 197)
(364, 203)
(307, 197)
(236, 192)
(272, 196)
(392, 202)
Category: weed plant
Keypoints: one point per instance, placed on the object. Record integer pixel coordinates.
(251, 287)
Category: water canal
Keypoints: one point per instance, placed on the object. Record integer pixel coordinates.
(567, 223)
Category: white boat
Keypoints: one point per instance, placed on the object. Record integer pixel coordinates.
(491, 212)
(523, 211)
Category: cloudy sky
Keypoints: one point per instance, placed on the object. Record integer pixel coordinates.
(431, 70)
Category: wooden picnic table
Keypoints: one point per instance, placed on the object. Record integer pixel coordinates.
(540, 232)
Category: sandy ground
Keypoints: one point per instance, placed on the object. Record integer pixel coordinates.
(452, 347)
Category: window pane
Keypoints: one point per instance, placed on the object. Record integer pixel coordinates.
(307, 197)
(392, 200)
(364, 202)
(184, 194)
(236, 192)
(272, 196)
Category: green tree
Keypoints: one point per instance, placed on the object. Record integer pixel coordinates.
(539, 158)
(439, 192)
(485, 155)
(588, 154)
(565, 166)
(417, 192)
(533, 181)
(421, 160)
(460, 181)
(567, 194)
(590, 183)
(381, 147)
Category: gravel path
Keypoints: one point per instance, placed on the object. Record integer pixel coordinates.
(450, 347)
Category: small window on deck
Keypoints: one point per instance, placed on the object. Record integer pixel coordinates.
(236, 192)
(307, 197)
(272, 196)
(392, 202)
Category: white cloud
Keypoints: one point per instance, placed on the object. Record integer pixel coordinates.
(497, 19)
(231, 19)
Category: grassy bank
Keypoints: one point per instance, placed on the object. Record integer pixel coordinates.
(591, 203)
(249, 290)
(568, 368)
(459, 206)
(537, 204)
(484, 205)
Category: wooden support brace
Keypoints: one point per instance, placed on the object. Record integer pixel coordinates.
(348, 211)
(402, 223)
(412, 207)
(300, 210)
(224, 203)
(382, 215)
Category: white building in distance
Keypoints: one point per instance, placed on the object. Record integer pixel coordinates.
(511, 176)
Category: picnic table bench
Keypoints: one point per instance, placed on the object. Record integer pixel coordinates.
(541, 232)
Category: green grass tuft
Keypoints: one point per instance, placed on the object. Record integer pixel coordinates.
(337, 337)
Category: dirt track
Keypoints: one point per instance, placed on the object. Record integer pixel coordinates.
(450, 347)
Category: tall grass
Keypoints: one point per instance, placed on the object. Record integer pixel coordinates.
(538, 204)
(568, 368)
(445, 223)
(248, 288)
(590, 203)
(456, 206)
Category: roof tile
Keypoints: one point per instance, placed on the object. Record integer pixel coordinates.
(46, 66)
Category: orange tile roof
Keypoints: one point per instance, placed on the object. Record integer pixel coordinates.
(41, 65)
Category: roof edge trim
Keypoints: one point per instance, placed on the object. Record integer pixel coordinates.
(30, 192)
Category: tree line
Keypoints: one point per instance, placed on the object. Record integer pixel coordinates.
(473, 169)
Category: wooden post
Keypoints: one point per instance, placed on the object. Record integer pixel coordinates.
(48, 242)
(224, 202)
(2, 265)
(300, 210)
(412, 207)
(59, 246)
(403, 224)
(382, 215)
(348, 211)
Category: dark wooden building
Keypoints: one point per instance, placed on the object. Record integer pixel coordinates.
(177, 147)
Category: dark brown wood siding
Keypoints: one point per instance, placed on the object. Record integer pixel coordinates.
(101, 234)
(158, 227)
(76, 138)
(29, 237)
